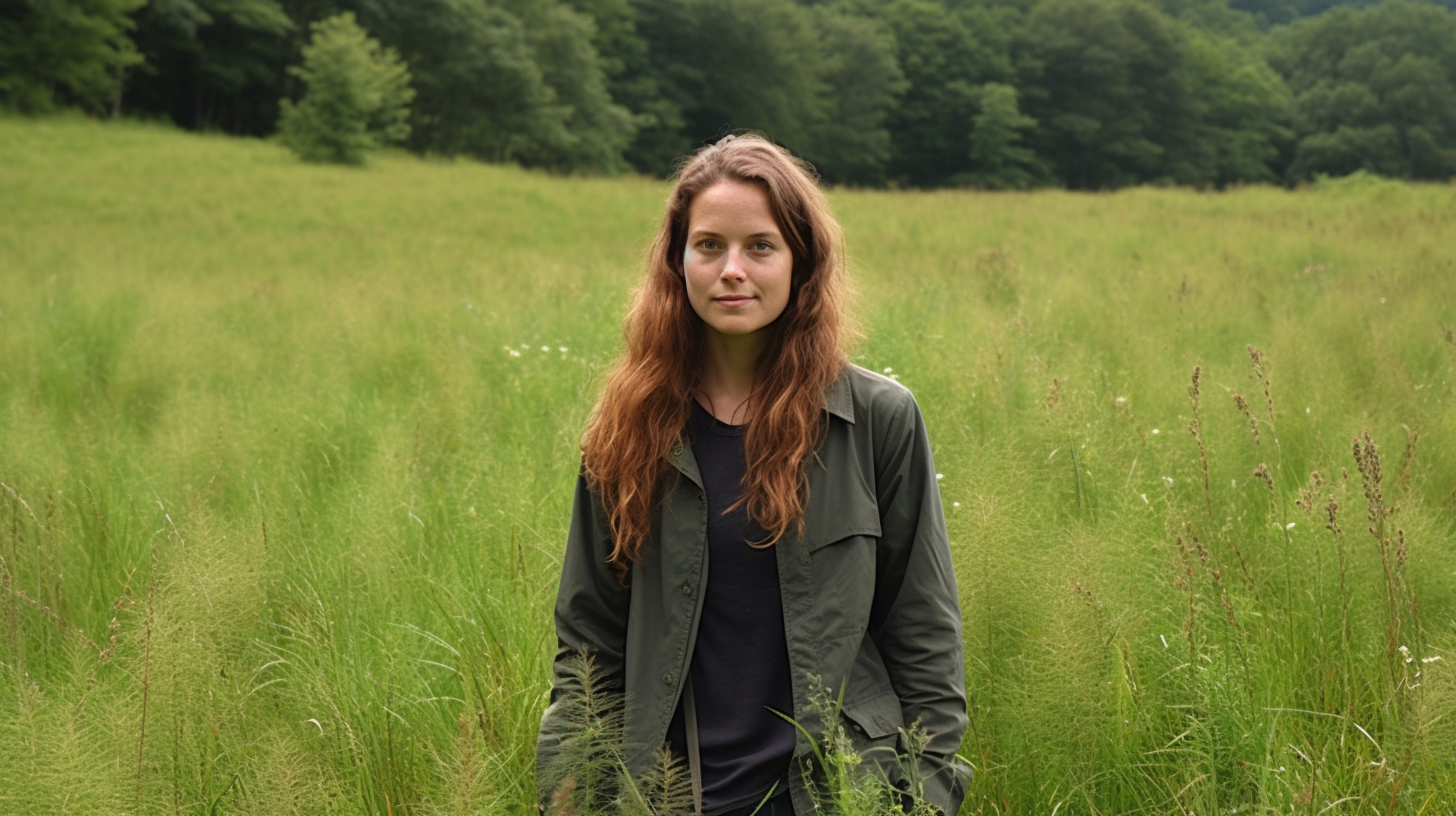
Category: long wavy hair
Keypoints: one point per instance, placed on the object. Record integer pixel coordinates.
(646, 402)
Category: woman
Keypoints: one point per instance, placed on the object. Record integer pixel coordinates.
(755, 515)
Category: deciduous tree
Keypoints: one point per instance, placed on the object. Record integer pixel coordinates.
(357, 95)
(1374, 89)
(65, 52)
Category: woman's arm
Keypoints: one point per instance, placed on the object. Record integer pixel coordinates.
(916, 619)
(591, 619)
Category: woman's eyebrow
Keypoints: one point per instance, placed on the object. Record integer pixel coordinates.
(700, 232)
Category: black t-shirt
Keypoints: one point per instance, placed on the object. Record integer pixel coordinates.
(740, 664)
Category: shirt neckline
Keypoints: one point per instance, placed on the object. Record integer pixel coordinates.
(707, 423)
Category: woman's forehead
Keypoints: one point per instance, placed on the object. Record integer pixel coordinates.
(732, 205)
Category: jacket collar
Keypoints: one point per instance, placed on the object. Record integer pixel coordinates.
(838, 400)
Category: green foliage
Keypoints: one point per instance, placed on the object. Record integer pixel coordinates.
(213, 63)
(946, 56)
(589, 775)
(357, 95)
(1108, 93)
(1374, 89)
(846, 782)
(507, 81)
(1108, 85)
(1001, 161)
(65, 52)
(480, 91)
(851, 143)
(595, 130)
(757, 64)
(1240, 110)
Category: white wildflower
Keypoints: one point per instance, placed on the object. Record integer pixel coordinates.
(1431, 659)
(514, 352)
(889, 370)
(1144, 497)
(545, 348)
(1155, 432)
(939, 476)
(1168, 480)
(1289, 526)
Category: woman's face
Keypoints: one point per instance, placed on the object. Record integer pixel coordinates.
(737, 266)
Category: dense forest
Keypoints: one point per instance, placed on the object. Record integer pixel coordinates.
(1086, 94)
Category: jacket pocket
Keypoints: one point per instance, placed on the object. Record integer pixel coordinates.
(839, 509)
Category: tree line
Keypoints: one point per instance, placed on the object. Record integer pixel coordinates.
(1086, 94)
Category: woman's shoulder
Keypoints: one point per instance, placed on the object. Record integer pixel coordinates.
(869, 392)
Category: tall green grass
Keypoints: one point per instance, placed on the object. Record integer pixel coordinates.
(285, 454)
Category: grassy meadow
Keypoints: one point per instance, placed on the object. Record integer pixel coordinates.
(286, 452)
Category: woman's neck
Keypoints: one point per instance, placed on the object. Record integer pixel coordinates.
(730, 366)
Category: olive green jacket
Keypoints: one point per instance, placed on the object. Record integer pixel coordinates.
(869, 599)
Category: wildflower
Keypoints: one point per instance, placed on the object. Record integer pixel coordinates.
(1120, 401)
(889, 370)
(1155, 432)
(1144, 498)
(1431, 659)
(1289, 526)
(561, 349)
(545, 348)
(514, 352)
(939, 476)
(1168, 480)
(958, 504)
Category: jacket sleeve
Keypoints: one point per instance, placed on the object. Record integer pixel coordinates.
(915, 619)
(591, 617)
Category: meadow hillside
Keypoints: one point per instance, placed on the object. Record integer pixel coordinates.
(286, 454)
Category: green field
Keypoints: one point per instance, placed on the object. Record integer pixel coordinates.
(286, 451)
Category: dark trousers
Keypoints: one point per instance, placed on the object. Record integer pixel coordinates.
(780, 805)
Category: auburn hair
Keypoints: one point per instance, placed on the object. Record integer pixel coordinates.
(646, 402)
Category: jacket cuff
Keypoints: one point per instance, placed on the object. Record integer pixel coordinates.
(946, 783)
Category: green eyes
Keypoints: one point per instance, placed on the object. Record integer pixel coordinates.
(709, 245)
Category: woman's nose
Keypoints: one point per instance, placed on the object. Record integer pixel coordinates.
(733, 268)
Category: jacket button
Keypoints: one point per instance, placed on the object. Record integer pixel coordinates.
(687, 589)
(667, 678)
